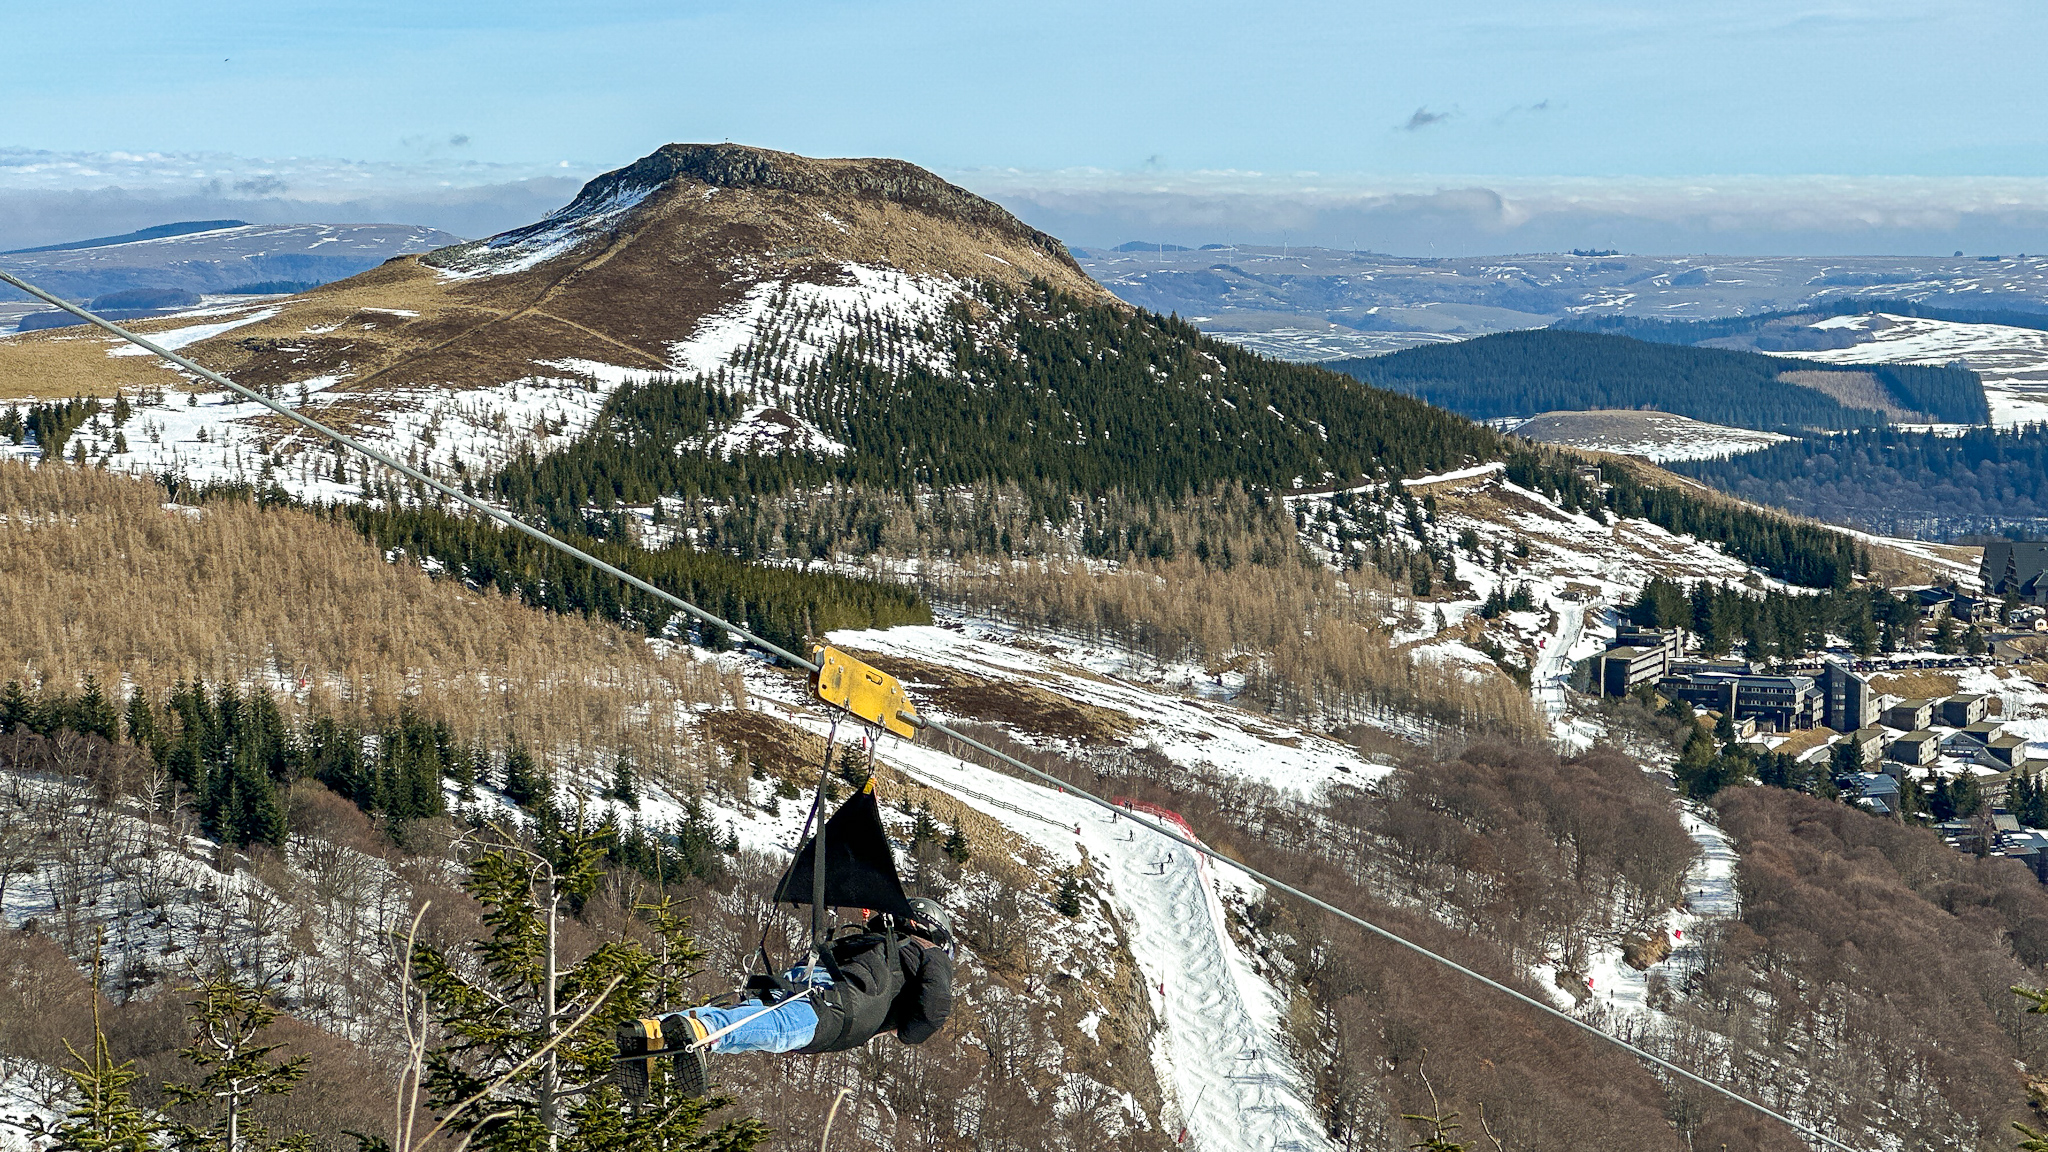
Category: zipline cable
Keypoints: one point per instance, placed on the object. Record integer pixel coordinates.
(811, 666)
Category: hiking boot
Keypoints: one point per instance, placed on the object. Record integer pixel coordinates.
(693, 1065)
(630, 1071)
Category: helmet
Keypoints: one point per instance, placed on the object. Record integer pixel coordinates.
(930, 920)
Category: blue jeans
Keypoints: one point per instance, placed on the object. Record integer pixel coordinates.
(789, 1027)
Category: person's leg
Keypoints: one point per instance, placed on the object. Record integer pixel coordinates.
(788, 1027)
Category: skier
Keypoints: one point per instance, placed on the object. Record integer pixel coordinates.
(909, 994)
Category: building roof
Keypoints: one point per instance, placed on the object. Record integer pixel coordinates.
(1920, 737)
(2011, 566)
(1875, 784)
(1866, 735)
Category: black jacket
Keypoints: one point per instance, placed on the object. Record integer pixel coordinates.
(911, 992)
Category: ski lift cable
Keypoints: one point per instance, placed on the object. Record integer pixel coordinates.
(911, 718)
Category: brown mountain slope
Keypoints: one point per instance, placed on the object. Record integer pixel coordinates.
(635, 264)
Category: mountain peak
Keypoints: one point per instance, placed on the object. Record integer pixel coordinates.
(771, 183)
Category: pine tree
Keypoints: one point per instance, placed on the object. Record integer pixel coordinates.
(922, 827)
(524, 783)
(1068, 902)
(625, 785)
(105, 1117)
(92, 715)
(15, 707)
(956, 845)
(1724, 727)
(1940, 803)
(141, 720)
(1846, 759)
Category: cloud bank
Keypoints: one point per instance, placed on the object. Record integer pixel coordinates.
(51, 197)
(1744, 215)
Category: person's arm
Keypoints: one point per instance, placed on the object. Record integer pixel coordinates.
(934, 977)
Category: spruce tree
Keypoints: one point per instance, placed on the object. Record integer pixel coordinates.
(524, 784)
(14, 707)
(92, 715)
(530, 1031)
(1068, 902)
(105, 1117)
(624, 787)
(228, 1019)
(141, 720)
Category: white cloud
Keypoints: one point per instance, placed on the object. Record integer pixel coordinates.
(1451, 215)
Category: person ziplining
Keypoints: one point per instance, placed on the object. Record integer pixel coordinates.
(889, 973)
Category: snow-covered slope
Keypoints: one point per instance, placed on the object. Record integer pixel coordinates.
(1221, 1053)
(2013, 362)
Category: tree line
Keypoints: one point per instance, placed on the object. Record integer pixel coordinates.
(228, 755)
(784, 605)
(1545, 370)
(1886, 479)
(1777, 626)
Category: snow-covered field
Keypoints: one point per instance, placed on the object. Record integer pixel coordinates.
(1187, 730)
(1657, 436)
(2012, 361)
(30, 1093)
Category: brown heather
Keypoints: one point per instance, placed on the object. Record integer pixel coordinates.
(99, 578)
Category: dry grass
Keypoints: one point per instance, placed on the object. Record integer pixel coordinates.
(1024, 707)
(103, 580)
(1803, 740)
(66, 362)
(1915, 684)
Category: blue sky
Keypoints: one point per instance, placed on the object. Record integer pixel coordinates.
(1049, 97)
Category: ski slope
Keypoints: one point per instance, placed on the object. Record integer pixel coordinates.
(1220, 1055)
(1219, 1052)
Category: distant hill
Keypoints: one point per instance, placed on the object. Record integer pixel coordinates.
(183, 228)
(1547, 370)
(1655, 436)
(215, 256)
(1788, 329)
